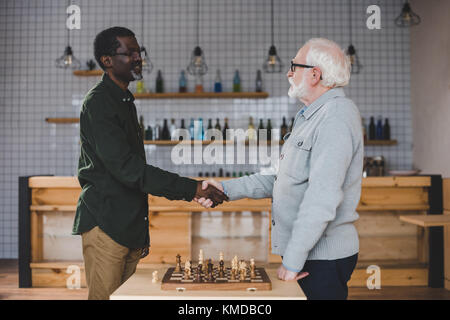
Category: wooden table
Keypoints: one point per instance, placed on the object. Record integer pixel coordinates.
(140, 287)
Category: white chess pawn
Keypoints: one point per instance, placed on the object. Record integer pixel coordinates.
(155, 277)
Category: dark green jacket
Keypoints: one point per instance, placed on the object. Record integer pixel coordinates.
(112, 169)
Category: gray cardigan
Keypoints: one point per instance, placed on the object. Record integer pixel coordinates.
(318, 184)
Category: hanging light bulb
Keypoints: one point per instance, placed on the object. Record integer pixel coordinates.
(197, 64)
(351, 51)
(68, 60)
(354, 60)
(273, 63)
(147, 65)
(407, 17)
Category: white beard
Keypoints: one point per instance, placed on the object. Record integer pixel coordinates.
(297, 91)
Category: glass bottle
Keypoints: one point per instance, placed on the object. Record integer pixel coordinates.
(363, 124)
(269, 130)
(217, 126)
(291, 125)
(258, 81)
(260, 127)
(159, 83)
(165, 131)
(182, 82)
(181, 127)
(386, 130)
(198, 84)
(191, 129)
(198, 129)
(140, 86)
(149, 133)
(218, 82)
(251, 129)
(172, 128)
(225, 128)
(379, 129)
(157, 131)
(236, 82)
(208, 132)
(372, 131)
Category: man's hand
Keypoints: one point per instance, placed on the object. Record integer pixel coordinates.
(209, 194)
(205, 202)
(286, 275)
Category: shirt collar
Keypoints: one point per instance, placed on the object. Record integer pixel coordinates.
(320, 101)
(124, 96)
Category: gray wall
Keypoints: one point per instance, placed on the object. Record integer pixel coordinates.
(430, 87)
(234, 35)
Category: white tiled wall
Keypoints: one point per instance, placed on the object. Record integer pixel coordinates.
(235, 34)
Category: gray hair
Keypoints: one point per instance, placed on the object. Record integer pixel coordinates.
(332, 61)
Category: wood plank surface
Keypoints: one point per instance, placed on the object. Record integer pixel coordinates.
(428, 220)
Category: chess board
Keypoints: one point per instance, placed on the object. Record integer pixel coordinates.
(176, 281)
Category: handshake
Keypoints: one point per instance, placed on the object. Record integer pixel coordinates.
(210, 193)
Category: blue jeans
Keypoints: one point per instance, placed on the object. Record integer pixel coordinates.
(327, 279)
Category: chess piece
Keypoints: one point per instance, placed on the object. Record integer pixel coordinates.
(187, 269)
(199, 274)
(178, 266)
(210, 276)
(242, 269)
(200, 257)
(252, 269)
(155, 276)
(221, 256)
(221, 269)
(233, 274)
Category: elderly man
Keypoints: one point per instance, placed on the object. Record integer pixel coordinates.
(318, 184)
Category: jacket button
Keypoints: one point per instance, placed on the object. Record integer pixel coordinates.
(145, 218)
(300, 143)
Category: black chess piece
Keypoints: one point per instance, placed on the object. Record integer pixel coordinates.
(199, 273)
(210, 276)
(221, 269)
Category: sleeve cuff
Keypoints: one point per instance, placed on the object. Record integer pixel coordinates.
(224, 189)
(188, 188)
(290, 269)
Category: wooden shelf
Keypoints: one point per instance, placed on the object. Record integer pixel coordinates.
(203, 95)
(435, 220)
(88, 73)
(380, 142)
(203, 142)
(62, 120)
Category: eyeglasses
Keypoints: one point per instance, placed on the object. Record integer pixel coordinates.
(293, 65)
(133, 54)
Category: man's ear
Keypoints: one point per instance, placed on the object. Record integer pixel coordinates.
(107, 61)
(316, 76)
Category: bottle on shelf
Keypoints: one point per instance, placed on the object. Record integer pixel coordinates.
(220, 172)
(218, 82)
(142, 127)
(379, 129)
(213, 174)
(157, 131)
(181, 127)
(258, 81)
(236, 82)
(269, 130)
(140, 86)
(198, 129)
(252, 132)
(172, 129)
(191, 129)
(372, 131)
(200, 174)
(240, 174)
(386, 130)
(227, 174)
(217, 126)
(149, 133)
(234, 174)
(225, 128)
(260, 128)
(206, 174)
(198, 84)
(208, 136)
(283, 129)
(165, 134)
(182, 83)
(159, 83)
(364, 130)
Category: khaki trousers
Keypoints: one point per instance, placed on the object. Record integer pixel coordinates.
(107, 264)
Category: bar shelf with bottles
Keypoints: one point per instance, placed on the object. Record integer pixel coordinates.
(378, 134)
